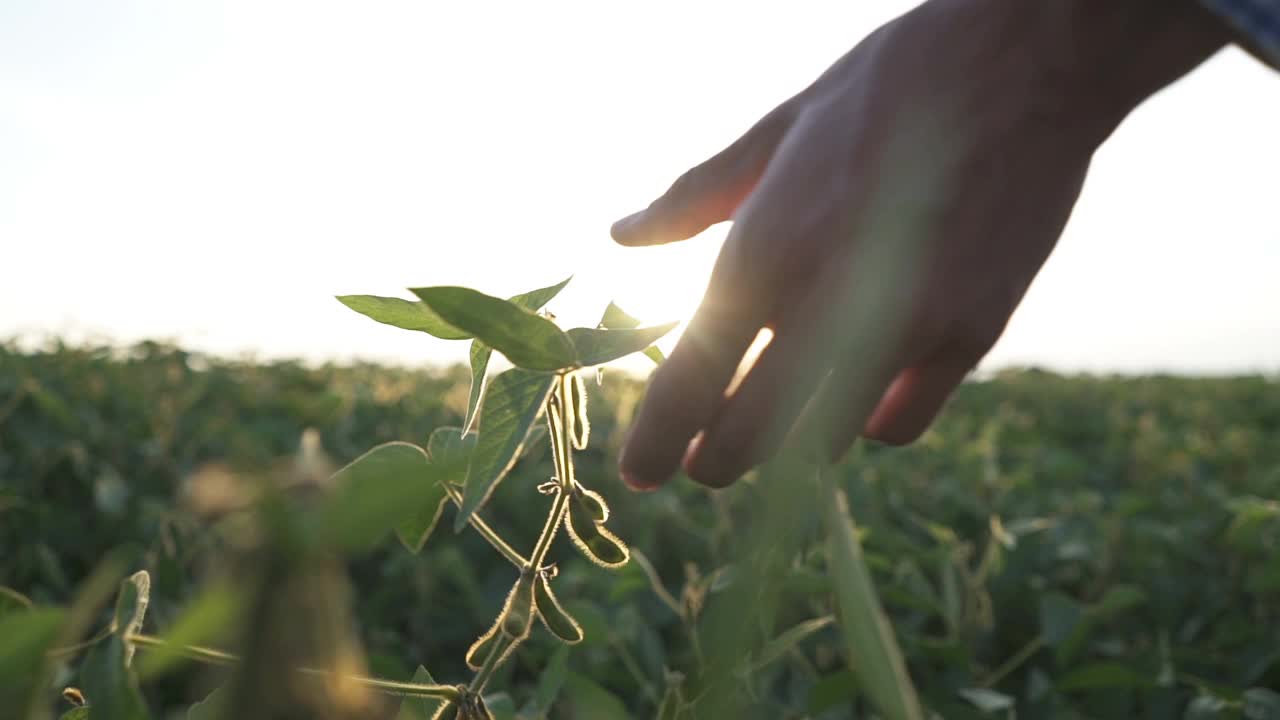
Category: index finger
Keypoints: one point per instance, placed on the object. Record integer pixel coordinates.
(689, 387)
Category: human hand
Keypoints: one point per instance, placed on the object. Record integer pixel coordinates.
(887, 221)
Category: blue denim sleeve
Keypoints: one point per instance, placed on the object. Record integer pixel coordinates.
(1257, 21)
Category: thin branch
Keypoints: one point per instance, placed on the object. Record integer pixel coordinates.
(1012, 663)
(659, 588)
(487, 532)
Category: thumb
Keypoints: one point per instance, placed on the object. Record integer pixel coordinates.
(710, 192)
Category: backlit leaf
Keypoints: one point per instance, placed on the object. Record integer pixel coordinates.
(480, 354)
(421, 708)
(535, 299)
(511, 405)
(527, 339)
(405, 314)
(615, 318)
(596, 346)
(450, 451)
(414, 531)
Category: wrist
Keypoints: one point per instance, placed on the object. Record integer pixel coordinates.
(1105, 57)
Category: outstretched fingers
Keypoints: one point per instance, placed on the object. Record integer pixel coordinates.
(711, 192)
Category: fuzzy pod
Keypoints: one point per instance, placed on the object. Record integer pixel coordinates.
(554, 617)
(590, 504)
(481, 648)
(598, 544)
(517, 614)
(580, 430)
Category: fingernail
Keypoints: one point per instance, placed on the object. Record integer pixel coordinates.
(638, 483)
(626, 224)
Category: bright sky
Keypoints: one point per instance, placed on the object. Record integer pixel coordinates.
(214, 172)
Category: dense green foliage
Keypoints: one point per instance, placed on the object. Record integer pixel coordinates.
(1082, 547)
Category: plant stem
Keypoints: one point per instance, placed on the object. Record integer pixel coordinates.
(659, 588)
(633, 667)
(70, 650)
(487, 532)
(1012, 663)
(564, 454)
(218, 657)
(557, 402)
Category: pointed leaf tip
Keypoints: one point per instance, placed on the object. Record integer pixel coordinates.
(596, 346)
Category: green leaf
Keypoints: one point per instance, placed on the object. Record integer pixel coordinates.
(108, 683)
(1118, 599)
(25, 636)
(590, 700)
(380, 490)
(421, 708)
(106, 679)
(76, 713)
(1059, 616)
(595, 346)
(480, 354)
(535, 299)
(1261, 704)
(869, 640)
(1103, 675)
(414, 531)
(653, 353)
(838, 688)
(616, 319)
(206, 619)
(511, 405)
(405, 314)
(210, 708)
(450, 449)
(549, 684)
(500, 706)
(528, 340)
(986, 700)
(789, 638)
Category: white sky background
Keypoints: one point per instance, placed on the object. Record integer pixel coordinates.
(214, 173)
